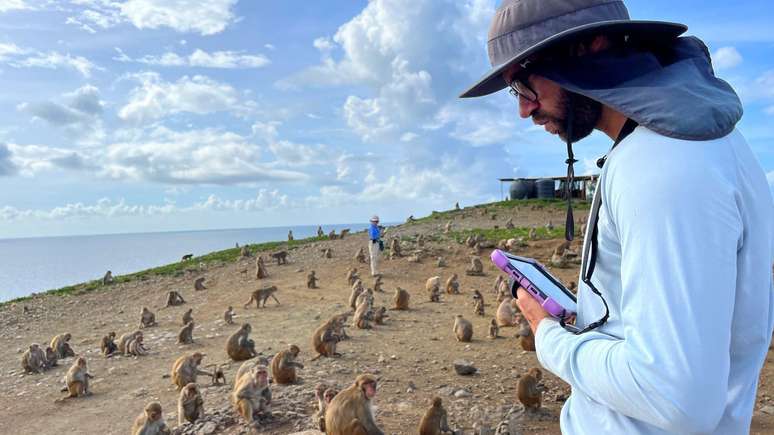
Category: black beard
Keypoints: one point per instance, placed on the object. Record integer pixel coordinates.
(586, 114)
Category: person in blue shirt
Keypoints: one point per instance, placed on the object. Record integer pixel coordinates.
(374, 237)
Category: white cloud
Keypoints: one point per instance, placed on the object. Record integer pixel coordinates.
(770, 177)
(475, 126)
(79, 115)
(7, 167)
(10, 5)
(726, 58)
(55, 60)
(204, 17)
(154, 98)
(102, 208)
(270, 47)
(264, 200)
(202, 59)
(9, 49)
(32, 159)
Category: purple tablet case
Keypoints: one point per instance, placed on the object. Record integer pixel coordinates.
(553, 308)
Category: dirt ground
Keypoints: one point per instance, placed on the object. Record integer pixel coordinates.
(412, 354)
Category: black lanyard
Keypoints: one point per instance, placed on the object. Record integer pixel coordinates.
(590, 240)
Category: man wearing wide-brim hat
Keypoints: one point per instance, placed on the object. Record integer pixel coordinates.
(676, 302)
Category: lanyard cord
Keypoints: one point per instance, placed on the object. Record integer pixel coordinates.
(569, 224)
(590, 257)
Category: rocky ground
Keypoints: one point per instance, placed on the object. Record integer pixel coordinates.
(412, 354)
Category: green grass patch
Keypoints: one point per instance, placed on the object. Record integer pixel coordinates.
(494, 207)
(496, 235)
(174, 269)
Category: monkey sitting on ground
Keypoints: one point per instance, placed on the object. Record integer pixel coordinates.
(433, 288)
(239, 346)
(61, 345)
(281, 257)
(252, 396)
(434, 422)
(494, 330)
(185, 336)
(478, 303)
(326, 337)
(526, 338)
(506, 313)
(174, 299)
(363, 315)
(344, 232)
(380, 314)
(463, 329)
(476, 267)
(150, 421)
(357, 289)
(311, 280)
(327, 253)
(249, 367)
(136, 347)
(395, 248)
(261, 295)
(498, 281)
(324, 395)
(147, 318)
(378, 284)
(217, 374)
(244, 252)
(108, 345)
(186, 369)
(228, 316)
(51, 358)
(34, 359)
(452, 285)
(77, 379)
(352, 276)
(332, 235)
(199, 284)
(260, 268)
(401, 299)
(530, 390)
(190, 405)
(124, 340)
(360, 256)
(284, 365)
(366, 296)
(351, 411)
(108, 278)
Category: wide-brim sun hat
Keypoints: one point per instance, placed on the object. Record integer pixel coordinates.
(522, 28)
(374, 218)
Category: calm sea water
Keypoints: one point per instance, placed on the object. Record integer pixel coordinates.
(43, 263)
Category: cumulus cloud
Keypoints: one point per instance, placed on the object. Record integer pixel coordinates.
(79, 115)
(202, 59)
(9, 50)
(475, 126)
(155, 98)
(10, 5)
(264, 200)
(32, 159)
(104, 207)
(19, 57)
(726, 58)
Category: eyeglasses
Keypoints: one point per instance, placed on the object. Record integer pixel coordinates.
(520, 88)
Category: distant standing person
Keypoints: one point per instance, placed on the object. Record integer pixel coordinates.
(290, 235)
(374, 244)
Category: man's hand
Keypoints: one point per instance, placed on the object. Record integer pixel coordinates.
(531, 309)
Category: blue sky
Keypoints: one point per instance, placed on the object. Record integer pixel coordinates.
(150, 115)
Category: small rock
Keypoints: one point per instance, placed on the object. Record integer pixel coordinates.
(208, 428)
(768, 409)
(464, 368)
(460, 394)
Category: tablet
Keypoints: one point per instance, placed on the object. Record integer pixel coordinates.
(530, 275)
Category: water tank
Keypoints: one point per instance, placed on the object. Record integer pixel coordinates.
(545, 188)
(522, 189)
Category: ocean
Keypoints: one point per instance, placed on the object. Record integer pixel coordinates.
(30, 265)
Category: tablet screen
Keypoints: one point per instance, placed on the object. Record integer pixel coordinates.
(544, 283)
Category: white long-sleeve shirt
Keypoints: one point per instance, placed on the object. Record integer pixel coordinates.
(685, 252)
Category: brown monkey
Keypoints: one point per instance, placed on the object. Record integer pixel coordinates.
(284, 365)
(124, 340)
(332, 235)
(433, 288)
(150, 421)
(327, 253)
(281, 257)
(228, 316)
(185, 336)
(199, 284)
(362, 317)
(51, 358)
(186, 257)
(476, 267)
(108, 278)
(326, 337)
(186, 369)
(78, 379)
(136, 347)
(218, 375)
(360, 256)
(34, 359)
(244, 252)
(530, 390)
(174, 299)
(260, 268)
(533, 233)
(188, 316)
(352, 276)
(494, 330)
(380, 314)
(261, 295)
(351, 412)
(395, 248)
(251, 396)
(506, 314)
(357, 289)
(61, 345)
(499, 280)
(108, 345)
(401, 299)
(311, 280)
(378, 284)
(452, 285)
(434, 421)
(526, 338)
(239, 346)
(147, 318)
(463, 329)
(440, 262)
(190, 405)
(249, 366)
(478, 303)
(324, 396)
(344, 232)
(365, 297)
